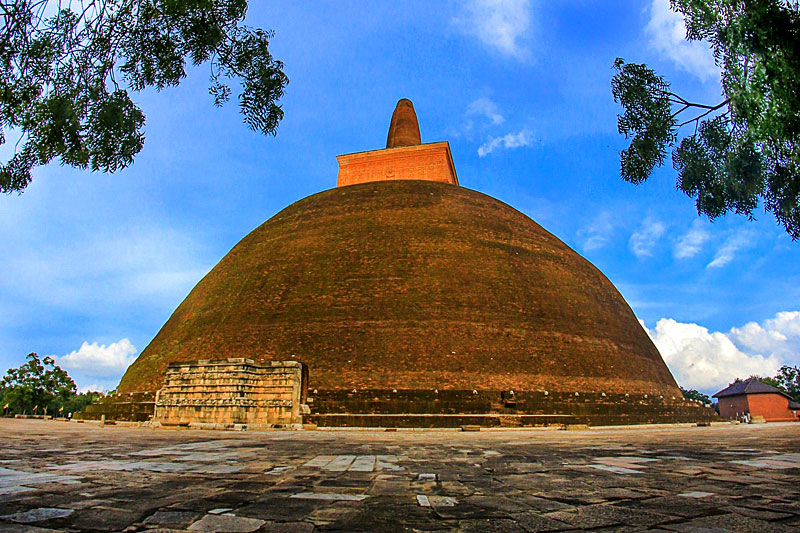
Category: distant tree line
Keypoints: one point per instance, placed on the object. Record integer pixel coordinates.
(787, 379)
(41, 387)
(692, 394)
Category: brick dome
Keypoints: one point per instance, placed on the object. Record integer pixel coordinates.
(412, 285)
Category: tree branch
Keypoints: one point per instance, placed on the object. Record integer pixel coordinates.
(711, 109)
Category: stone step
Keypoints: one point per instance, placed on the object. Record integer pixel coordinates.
(438, 420)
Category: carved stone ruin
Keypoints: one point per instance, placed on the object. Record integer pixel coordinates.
(232, 392)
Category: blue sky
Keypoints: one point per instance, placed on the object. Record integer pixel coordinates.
(94, 264)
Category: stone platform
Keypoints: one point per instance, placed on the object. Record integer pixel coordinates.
(232, 391)
(487, 408)
(131, 407)
(81, 477)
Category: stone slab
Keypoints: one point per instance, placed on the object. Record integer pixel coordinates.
(37, 515)
(227, 524)
(340, 463)
(330, 496)
(486, 481)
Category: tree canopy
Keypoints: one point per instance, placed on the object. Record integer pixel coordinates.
(743, 149)
(692, 394)
(42, 386)
(68, 67)
(788, 378)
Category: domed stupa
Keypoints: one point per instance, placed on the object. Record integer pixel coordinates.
(412, 301)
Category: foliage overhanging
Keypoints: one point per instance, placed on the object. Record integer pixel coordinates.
(744, 149)
(68, 66)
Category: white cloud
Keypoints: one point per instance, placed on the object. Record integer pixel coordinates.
(691, 242)
(752, 335)
(727, 252)
(100, 361)
(499, 24)
(508, 141)
(787, 322)
(704, 360)
(485, 107)
(779, 335)
(481, 115)
(598, 233)
(646, 237)
(667, 32)
(94, 387)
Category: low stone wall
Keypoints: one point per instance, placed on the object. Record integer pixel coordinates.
(454, 408)
(132, 407)
(232, 391)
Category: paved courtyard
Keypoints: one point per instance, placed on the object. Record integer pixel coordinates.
(81, 477)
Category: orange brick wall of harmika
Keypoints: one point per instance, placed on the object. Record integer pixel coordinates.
(427, 162)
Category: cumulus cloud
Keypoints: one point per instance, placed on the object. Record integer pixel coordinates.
(709, 361)
(727, 252)
(485, 107)
(788, 322)
(779, 335)
(691, 242)
(704, 360)
(597, 234)
(100, 361)
(499, 24)
(646, 237)
(667, 32)
(508, 141)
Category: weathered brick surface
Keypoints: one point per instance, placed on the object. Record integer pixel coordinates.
(733, 407)
(404, 128)
(412, 285)
(134, 407)
(428, 162)
(455, 408)
(232, 391)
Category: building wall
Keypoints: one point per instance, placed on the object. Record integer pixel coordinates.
(232, 391)
(773, 407)
(427, 162)
(732, 407)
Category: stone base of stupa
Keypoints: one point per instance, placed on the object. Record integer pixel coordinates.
(458, 408)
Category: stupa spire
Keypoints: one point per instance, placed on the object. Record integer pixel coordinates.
(404, 158)
(404, 130)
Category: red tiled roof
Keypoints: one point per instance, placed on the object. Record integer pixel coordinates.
(749, 386)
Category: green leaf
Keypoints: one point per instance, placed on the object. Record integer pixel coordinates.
(744, 150)
(60, 81)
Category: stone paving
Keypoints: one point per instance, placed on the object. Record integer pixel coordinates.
(81, 477)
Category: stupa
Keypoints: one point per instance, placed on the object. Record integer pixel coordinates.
(412, 301)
